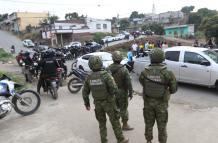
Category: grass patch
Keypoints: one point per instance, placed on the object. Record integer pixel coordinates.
(5, 56)
(16, 78)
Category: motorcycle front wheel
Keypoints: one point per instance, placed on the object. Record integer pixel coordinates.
(74, 85)
(26, 102)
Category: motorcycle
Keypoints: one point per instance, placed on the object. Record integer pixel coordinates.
(75, 84)
(24, 102)
(19, 59)
(30, 71)
(52, 84)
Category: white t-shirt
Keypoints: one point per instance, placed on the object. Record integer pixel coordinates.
(134, 47)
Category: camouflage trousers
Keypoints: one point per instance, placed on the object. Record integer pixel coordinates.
(155, 110)
(101, 109)
(122, 104)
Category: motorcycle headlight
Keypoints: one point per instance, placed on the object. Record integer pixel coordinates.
(3, 88)
(35, 64)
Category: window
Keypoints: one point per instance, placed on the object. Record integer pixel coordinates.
(60, 27)
(104, 26)
(86, 57)
(72, 26)
(172, 55)
(193, 58)
(213, 55)
(98, 26)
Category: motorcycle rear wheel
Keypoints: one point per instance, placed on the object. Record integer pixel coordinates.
(22, 99)
(54, 92)
(74, 85)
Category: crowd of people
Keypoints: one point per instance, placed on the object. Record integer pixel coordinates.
(42, 65)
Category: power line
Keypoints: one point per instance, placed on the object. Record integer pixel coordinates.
(45, 3)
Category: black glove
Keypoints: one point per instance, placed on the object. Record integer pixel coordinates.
(130, 96)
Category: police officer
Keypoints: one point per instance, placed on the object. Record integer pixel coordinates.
(103, 89)
(123, 81)
(48, 66)
(158, 83)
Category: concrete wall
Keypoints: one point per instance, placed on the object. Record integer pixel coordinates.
(29, 18)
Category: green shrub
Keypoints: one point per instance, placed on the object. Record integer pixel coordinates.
(4, 56)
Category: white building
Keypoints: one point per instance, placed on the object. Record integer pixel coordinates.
(65, 30)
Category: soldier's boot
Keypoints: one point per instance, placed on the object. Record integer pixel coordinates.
(124, 141)
(126, 126)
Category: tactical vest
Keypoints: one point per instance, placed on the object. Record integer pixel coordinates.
(98, 86)
(155, 82)
(117, 72)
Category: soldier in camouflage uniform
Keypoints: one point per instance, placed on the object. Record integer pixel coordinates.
(103, 89)
(158, 83)
(123, 81)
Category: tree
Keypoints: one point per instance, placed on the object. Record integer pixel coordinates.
(197, 17)
(194, 18)
(3, 16)
(187, 9)
(52, 19)
(49, 20)
(28, 28)
(205, 12)
(154, 27)
(74, 15)
(210, 27)
(134, 14)
(124, 23)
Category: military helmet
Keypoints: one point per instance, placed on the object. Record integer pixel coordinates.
(116, 56)
(95, 63)
(157, 56)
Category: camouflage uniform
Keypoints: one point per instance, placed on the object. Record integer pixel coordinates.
(123, 81)
(158, 83)
(103, 89)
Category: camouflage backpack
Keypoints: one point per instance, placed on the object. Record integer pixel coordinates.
(155, 82)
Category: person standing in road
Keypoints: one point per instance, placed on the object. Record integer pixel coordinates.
(125, 91)
(158, 83)
(103, 89)
(130, 60)
(135, 48)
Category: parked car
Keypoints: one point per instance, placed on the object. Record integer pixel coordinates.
(73, 44)
(28, 43)
(92, 46)
(119, 37)
(127, 34)
(189, 64)
(82, 62)
(108, 39)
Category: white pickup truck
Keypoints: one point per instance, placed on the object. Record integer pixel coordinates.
(189, 64)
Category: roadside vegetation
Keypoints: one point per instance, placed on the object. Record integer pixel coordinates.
(18, 78)
(4, 56)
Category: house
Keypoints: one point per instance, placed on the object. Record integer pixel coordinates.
(171, 17)
(179, 30)
(18, 21)
(64, 31)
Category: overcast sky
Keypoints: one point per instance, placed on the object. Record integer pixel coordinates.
(101, 8)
